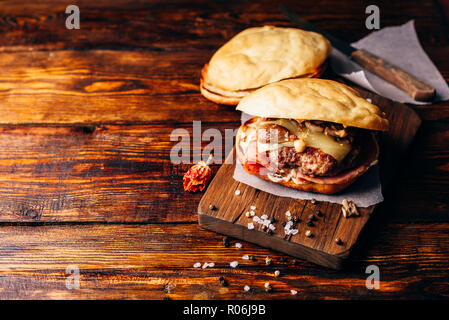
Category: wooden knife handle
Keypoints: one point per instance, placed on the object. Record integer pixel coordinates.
(414, 87)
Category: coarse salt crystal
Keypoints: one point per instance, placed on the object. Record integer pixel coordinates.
(252, 213)
(369, 100)
(247, 214)
(197, 265)
(246, 288)
(245, 257)
(237, 192)
(256, 219)
(271, 227)
(288, 213)
(293, 292)
(234, 264)
(250, 226)
(253, 207)
(264, 217)
(238, 245)
(294, 231)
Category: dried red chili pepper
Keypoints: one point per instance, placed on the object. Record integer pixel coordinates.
(197, 177)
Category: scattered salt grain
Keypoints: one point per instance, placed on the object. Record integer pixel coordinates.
(245, 257)
(238, 245)
(252, 213)
(271, 227)
(264, 217)
(277, 273)
(234, 264)
(197, 265)
(246, 288)
(369, 100)
(253, 207)
(294, 292)
(247, 214)
(237, 192)
(288, 213)
(250, 226)
(256, 219)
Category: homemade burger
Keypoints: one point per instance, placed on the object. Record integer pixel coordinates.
(309, 134)
(258, 56)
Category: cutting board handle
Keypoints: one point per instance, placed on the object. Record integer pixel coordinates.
(414, 87)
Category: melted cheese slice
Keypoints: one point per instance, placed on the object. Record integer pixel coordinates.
(318, 140)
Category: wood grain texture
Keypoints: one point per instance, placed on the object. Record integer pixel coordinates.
(100, 86)
(137, 261)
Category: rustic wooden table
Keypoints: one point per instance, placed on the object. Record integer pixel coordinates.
(85, 175)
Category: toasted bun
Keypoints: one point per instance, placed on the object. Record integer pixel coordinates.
(314, 99)
(258, 56)
(232, 98)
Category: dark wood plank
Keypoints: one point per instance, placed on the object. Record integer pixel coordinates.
(58, 173)
(88, 173)
(137, 261)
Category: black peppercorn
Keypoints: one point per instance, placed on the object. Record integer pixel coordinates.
(338, 241)
(319, 213)
(309, 223)
(226, 242)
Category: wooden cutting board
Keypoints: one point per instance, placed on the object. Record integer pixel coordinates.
(229, 216)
